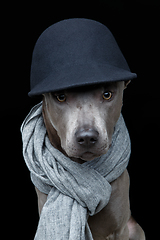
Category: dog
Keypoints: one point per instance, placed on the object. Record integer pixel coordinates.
(80, 123)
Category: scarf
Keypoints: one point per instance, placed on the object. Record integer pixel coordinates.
(74, 190)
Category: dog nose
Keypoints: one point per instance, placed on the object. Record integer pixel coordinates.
(87, 137)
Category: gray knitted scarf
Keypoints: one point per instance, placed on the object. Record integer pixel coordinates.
(74, 190)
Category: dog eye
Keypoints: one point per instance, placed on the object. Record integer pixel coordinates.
(107, 95)
(61, 97)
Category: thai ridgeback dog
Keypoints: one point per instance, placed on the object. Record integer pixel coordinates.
(80, 123)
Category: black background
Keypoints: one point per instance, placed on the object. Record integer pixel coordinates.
(135, 25)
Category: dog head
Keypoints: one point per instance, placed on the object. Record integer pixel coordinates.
(80, 121)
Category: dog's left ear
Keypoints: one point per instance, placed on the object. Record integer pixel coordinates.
(126, 83)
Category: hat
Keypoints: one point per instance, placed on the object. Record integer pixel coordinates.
(76, 52)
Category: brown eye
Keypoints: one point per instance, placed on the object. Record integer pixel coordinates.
(107, 95)
(61, 97)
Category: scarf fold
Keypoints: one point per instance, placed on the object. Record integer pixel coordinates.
(74, 190)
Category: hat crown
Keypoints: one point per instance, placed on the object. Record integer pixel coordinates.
(74, 42)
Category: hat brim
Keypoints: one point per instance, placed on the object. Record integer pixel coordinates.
(81, 75)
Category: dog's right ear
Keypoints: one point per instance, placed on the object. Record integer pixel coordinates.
(51, 131)
(126, 83)
(52, 134)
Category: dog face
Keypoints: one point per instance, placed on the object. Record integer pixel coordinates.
(80, 122)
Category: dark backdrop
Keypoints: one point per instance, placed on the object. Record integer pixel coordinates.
(135, 25)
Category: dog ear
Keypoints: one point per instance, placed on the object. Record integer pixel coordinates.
(51, 131)
(126, 83)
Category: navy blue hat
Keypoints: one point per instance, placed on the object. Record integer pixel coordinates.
(76, 52)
